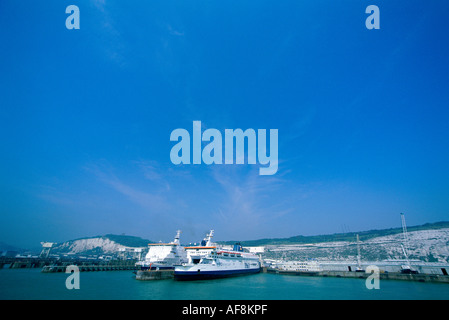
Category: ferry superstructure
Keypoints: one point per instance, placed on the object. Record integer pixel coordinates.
(220, 263)
(195, 253)
(164, 255)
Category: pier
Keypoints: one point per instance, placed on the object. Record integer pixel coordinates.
(421, 277)
(57, 265)
(114, 265)
(22, 262)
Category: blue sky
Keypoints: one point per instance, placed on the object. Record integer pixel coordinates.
(86, 117)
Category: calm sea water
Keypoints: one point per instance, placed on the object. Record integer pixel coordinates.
(27, 284)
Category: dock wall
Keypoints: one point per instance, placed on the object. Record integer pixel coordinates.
(56, 265)
(421, 277)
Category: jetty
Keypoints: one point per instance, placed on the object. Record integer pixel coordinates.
(58, 265)
(113, 265)
(420, 277)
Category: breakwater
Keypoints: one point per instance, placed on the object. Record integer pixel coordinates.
(83, 267)
(24, 262)
(58, 265)
(420, 277)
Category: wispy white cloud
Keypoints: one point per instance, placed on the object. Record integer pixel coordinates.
(152, 171)
(174, 32)
(99, 4)
(249, 200)
(155, 202)
(54, 195)
(111, 40)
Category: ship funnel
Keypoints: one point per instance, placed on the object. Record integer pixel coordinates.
(238, 247)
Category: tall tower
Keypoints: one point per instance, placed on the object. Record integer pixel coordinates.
(405, 247)
(359, 261)
(405, 235)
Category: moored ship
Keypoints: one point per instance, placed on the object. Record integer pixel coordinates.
(220, 263)
(164, 256)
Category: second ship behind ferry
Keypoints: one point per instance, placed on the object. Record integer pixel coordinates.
(220, 263)
(163, 256)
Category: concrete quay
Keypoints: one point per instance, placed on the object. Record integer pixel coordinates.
(57, 265)
(88, 267)
(421, 277)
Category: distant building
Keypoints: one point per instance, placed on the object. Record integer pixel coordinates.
(130, 253)
(260, 249)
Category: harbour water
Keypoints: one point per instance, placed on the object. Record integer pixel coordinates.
(31, 284)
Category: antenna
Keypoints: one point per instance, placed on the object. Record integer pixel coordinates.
(209, 238)
(178, 234)
(207, 241)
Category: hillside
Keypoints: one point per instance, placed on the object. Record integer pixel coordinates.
(107, 244)
(349, 236)
(7, 247)
(431, 245)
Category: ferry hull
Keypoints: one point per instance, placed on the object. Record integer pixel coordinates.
(212, 274)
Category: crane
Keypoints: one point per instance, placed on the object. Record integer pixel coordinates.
(405, 268)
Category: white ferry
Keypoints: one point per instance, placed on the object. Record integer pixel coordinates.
(162, 256)
(220, 263)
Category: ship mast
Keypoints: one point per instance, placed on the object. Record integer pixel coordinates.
(209, 238)
(178, 234)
